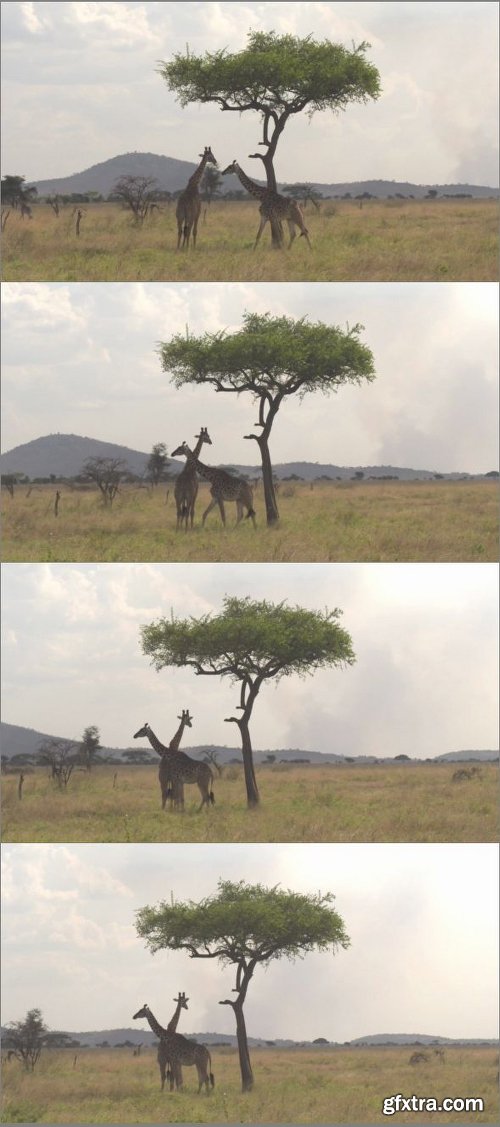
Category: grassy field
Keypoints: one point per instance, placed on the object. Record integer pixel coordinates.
(375, 240)
(389, 803)
(346, 521)
(295, 1086)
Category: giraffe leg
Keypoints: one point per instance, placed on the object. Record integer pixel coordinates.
(292, 231)
(263, 221)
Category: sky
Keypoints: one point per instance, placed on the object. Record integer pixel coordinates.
(425, 680)
(422, 920)
(83, 359)
(81, 85)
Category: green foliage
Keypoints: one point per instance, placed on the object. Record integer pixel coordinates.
(26, 1038)
(250, 640)
(275, 74)
(274, 355)
(244, 922)
(16, 192)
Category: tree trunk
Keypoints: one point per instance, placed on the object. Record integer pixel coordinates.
(244, 1055)
(253, 798)
(272, 513)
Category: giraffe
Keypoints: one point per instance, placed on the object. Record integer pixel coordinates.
(189, 202)
(175, 1073)
(272, 206)
(178, 1050)
(225, 487)
(185, 722)
(186, 485)
(175, 768)
(418, 1058)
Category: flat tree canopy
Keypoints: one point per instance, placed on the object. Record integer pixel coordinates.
(250, 642)
(244, 925)
(277, 76)
(272, 358)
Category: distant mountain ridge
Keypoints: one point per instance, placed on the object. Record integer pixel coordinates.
(172, 175)
(17, 740)
(63, 455)
(126, 1037)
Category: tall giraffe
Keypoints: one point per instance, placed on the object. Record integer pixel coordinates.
(186, 485)
(273, 206)
(185, 722)
(175, 768)
(225, 487)
(189, 202)
(178, 1051)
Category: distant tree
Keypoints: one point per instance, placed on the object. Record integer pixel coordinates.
(157, 463)
(137, 193)
(250, 642)
(15, 192)
(62, 757)
(107, 473)
(244, 926)
(276, 76)
(431, 194)
(55, 202)
(89, 746)
(9, 482)
(271, 358)
(211, 757)
(406, 757)
(211, 183)
(25, 1039)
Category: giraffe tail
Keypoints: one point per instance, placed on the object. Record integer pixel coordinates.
(251, 513)
(212, 1081)
(212, 797)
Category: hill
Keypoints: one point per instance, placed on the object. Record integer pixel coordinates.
(63, 455)
(172, 175)
(19, 741)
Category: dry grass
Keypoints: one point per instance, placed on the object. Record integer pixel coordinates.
(380, 240)
(324, 1085)
(299, 803)
(342, 521)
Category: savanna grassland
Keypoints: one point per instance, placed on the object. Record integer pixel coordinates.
(338, 521)
(299, 803)
(369, 240)
(322, 1085)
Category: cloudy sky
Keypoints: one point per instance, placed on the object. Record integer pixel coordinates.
(82, 359)
(81, 85)
(425, 680)
(423, 924)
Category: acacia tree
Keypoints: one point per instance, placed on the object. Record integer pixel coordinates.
(61, 756)
(272, 358)
(90, 745)
(243, 926)
(107, 474)
(277, 76)
(25, 1039)
(157, 463)
(250, 643)
(138, 193)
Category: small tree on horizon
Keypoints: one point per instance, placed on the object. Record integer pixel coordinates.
(245, 925)
(157, 463)
(276, 76)
(137, 193)
(25, 1039)
(250, 642)
(272, 358)
(107, 474)
(89, 746)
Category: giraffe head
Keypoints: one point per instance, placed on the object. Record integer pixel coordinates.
(143, 1012)
(142, 732)
(187, 720)
(233, 167)
(208, 155)
(182, 449)
(204, 436)
(182, 1001)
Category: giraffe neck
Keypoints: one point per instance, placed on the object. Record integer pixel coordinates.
(210, 473)
(254, 189)
(172, 1025)
(175, 741)
(156, 743)
(154, 1024)
(194, 180)
(190, 467)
